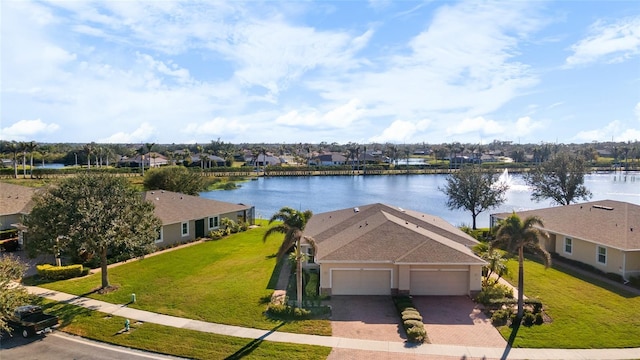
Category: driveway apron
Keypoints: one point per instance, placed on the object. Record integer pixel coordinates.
(365, 317)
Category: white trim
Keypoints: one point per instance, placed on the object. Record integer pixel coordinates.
(451, 270)
(182, 229)
(216, 219)
(564, 245)
(606, 255)
(161, 237)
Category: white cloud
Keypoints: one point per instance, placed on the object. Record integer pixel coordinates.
(477, 125)
(616, 130)
(636, 110)
(217, 127)
(27, 130)
(340, 117)
(143, 133)
(610, 43)
(525, 126)
(402, 130)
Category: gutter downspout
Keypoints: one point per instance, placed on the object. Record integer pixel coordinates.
(624, 267)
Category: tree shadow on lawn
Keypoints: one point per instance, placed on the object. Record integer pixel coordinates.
(275, 274)
(512, 338)
(592, 278)
(252, 345)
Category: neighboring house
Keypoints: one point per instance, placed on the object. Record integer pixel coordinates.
(207, 160)
(152, 159)
(185, 217)
(15, 201)
(379, 249)
(329, 159)
(262, 160)
(604, 234)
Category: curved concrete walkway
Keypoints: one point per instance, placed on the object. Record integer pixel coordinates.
(390, 347)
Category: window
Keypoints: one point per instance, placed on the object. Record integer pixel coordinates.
(602, 255)
(213, 222)
(159, 239)
(568, 245)
(185, 228)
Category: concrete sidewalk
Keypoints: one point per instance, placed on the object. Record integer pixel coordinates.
(428, 350)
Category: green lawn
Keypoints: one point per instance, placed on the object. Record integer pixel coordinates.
(585, 313)
(179, 342)
(228, 281)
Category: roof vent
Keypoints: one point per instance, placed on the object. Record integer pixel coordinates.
(157, 199)
(602, 207)
(355, 209)
(401, 209)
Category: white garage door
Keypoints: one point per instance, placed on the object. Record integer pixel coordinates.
(439, 282)
(361, 282)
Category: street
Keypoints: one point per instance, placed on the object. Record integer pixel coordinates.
(58, 345)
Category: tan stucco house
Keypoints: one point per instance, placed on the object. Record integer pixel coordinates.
(185, 217)
(604, 234)
(379, 249)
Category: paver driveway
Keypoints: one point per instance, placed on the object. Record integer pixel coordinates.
(457, 320)
(365, 317)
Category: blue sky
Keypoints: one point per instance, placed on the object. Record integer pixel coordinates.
(333, 71)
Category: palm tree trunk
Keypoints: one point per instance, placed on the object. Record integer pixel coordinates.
(520, 282)
(298, 275)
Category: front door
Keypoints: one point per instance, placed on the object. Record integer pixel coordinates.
(199, 228)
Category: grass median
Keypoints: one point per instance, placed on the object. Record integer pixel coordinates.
(585, 312)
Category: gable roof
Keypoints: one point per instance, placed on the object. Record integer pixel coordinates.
(173, 207)
(382, 233)
(606, 222)
(15, 199)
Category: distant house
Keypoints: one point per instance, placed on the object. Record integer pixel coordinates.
(264, 160)
(604, 234)
(329, 159)
(186, 218)
(207, 160)
(379, 249)
(152, 159)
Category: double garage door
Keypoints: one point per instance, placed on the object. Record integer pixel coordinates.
(441, 282)
(378, 282)
(361, 282)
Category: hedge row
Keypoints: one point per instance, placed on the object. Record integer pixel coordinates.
(411, 319)
(51, 272)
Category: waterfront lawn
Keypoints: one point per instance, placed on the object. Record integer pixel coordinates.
(228, 281)
(174, 341)
(586, 313)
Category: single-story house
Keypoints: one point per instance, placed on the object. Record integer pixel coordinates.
(152, 159)
(379, 249)
(329, 159)
(604, 234)
(185, 217)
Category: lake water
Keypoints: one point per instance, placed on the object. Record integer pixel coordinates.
(415, 192)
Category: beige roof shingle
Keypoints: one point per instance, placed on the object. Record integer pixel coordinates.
(172, 207)
(382, 233)
(15, 199)
(606, 222)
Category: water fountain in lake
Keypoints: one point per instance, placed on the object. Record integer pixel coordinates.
(516, 184)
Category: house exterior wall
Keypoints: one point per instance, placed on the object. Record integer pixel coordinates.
(586, 252)
(7, 220)
(172, 234)
(632, 263)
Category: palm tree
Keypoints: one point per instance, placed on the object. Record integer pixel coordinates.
(14, 148)
(31, 146)
(89, 148)
(149, 147)
(292, 226)
(514, 233)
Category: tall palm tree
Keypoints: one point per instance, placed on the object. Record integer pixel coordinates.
(89, 149)
(149, 147)
(14, 148)
(292, 226)
(514, 233)
(31, 146)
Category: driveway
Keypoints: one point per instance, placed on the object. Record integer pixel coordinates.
(454, 320)
(366, 317)
(457, 320)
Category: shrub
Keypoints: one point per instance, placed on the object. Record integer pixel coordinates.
(286, 312)
(216, 234)
(528, 319)
(500, 317)
(536, 304)
(539, 319)
(411, 315)
(494, 291)
(417, 334)
(50, 272)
